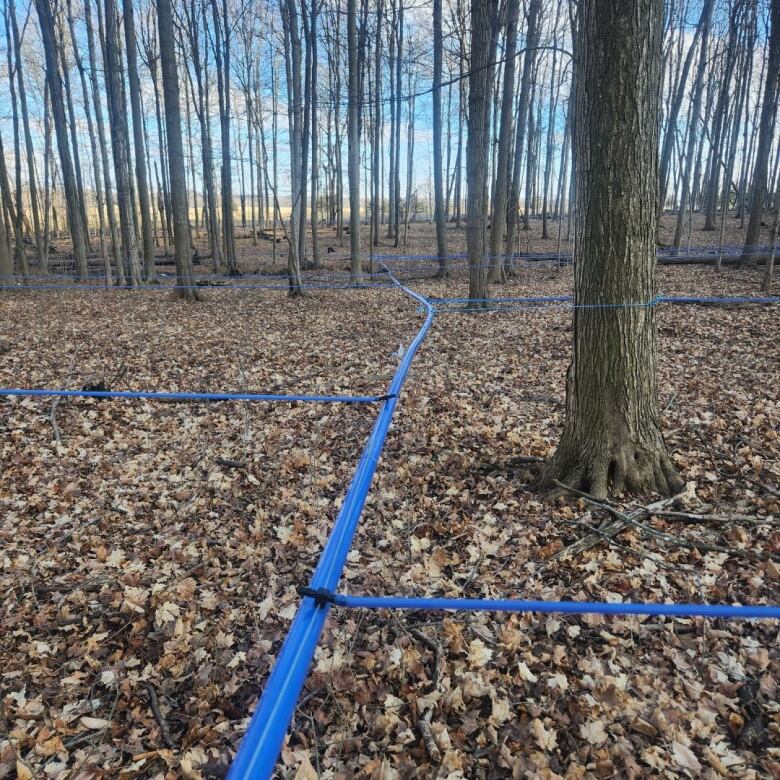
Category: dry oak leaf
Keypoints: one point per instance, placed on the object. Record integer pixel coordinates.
(685, 758)
(547, 740)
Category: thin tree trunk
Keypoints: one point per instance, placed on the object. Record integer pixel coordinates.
(758, 188)
(689, 160)
(185, 285)
(498, 224)
(99, 194)
(101, 135)
(54, 82)
(222, 54)
(31, 183)
(523, 117)
(150, 273)
(438, 181)
(117, 117)
(353, 145)
(483, 18)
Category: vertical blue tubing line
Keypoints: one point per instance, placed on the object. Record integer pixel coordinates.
(259, 749)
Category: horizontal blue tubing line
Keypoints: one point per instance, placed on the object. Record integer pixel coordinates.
(259, 749)
(673, 299)
(569, 607)
(71, 286)
(173, 396)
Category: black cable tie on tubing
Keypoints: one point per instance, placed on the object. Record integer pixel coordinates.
(386, 397)
(321, 596)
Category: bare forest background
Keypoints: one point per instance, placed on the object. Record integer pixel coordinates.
(274, 97)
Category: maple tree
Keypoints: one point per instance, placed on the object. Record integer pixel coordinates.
(612, 438)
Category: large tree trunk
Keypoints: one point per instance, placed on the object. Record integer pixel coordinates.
(483, 21)
(185, 286)
(54, 82)
(438, 181)
(612, 435)
(150, 273)
(758, 189)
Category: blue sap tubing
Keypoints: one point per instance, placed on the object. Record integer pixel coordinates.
(570, 607)
(262, 742)
(175, 396)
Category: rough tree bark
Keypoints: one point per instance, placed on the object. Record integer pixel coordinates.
(612, 437)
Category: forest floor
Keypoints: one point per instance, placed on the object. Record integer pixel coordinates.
(149, 560)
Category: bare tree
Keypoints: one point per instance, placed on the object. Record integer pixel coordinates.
(185, 286)
(438, 179)
(758, 189)
(612, 438)
(353, 145)
(75, 220)
(222, 56)
(483, 30)
(150, 273)
(529, 60)
(28, 143)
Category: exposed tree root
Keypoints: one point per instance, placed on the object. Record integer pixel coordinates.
(638, 469)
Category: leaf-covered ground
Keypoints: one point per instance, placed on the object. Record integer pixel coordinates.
(149, 562)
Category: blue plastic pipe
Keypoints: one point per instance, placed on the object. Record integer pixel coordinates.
(674, 299)
(160, 396)
(571, 607)
(263, 740)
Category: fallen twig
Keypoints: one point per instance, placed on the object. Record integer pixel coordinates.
(434, 647)
(53, 420)
(154, 704)
(424, 724)
(631, 519)
(606, 530)
(692, 517)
